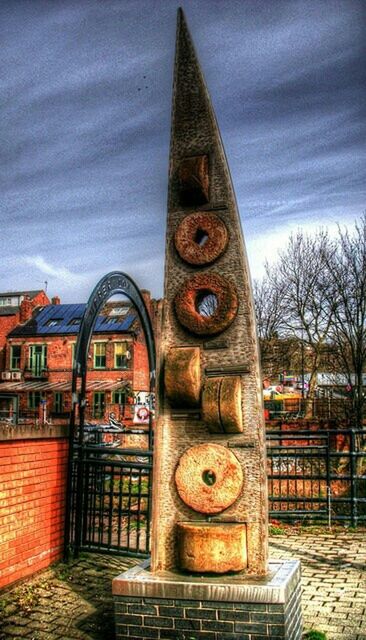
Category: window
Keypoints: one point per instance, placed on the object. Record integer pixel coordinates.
(98, 404)
(119, 396)
(6, 302)
(34, 399)
(37, 358)
(73, 351)
(99, 355)
(74, 321)
(53, 322)
(119, 311)
(15, 353)
(121, 355)
(58, 402)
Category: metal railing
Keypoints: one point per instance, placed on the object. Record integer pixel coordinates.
(317, 475)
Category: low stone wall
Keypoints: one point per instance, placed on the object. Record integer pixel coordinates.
(33, 472)
(170, 605)
(196, 620)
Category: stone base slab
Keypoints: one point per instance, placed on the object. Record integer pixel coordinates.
(170, 605)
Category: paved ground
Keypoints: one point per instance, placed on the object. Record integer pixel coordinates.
(74, 602)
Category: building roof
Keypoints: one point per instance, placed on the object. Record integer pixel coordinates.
(55, 319)
(65, 385)
(13, 309)
(9, 294)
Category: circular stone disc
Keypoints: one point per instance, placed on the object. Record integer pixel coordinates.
(201, 238)
(209, 478)
(203, 284)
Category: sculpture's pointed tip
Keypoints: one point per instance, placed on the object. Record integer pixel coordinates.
(181, 19)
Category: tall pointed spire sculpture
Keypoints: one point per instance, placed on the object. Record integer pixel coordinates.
(210, 477)
(209, 480)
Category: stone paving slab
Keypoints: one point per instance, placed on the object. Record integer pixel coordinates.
(74, 602)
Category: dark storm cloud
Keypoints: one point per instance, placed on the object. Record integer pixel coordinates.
(85, 127)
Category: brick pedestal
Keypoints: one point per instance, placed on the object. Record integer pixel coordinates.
(169, 605)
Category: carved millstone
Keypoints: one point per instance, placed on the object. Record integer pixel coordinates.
(182, 376)
(212, 547)
(201, 238)
(209, 478)
(220, 311)
(221, 405)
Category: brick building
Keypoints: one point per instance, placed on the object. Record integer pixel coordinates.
(38, 356)
(14, 306)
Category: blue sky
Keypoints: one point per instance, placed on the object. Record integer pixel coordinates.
(85, 124)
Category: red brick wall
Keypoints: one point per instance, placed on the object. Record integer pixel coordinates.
(32, 501)
(7, 323)
(140, 367)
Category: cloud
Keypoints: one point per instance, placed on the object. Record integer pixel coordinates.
(59, 273)
(86, 120)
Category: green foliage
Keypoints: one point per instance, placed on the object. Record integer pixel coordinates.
(315, 635)
(26, 597)
(276, 530)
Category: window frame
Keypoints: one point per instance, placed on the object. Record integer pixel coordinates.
(33, 402)
(32, 357)
(96, 355)
(122, 355)
(98, 406)
(58, 402)
(122, 393)
(13, 358)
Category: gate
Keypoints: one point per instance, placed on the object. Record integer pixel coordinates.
(109, 487)
(298, 475)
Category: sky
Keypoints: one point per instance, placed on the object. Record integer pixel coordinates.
(85, 99)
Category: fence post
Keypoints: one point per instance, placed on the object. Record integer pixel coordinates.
(353, 460)
(329, 490)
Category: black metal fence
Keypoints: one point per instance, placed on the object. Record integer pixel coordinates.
(317, 476)
(111, 500)
(313, 476)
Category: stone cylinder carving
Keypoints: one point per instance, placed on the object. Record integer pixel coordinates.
(182, 376)
(209, 478)
(201, 238)
(213, 547)
(221, 405)
(220, 311)
(211, 405)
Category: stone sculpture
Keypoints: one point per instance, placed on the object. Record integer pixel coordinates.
(209, 573)
(210, 504)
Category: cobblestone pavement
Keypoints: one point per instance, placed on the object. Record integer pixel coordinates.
(333, 580)
(72, 602)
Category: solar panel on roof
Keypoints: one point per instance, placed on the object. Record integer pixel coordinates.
(66, 319)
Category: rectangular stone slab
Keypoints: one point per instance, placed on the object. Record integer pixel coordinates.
(275, 588)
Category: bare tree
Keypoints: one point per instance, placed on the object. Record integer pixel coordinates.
(269, 314)
(346, 293)
(297, 280)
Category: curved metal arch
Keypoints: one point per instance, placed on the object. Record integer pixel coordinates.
(111, 284)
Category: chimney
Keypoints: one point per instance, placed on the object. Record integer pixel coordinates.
(26, 309)
(56, 300)
(147, 299)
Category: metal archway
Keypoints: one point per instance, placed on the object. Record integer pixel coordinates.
(111, 284)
